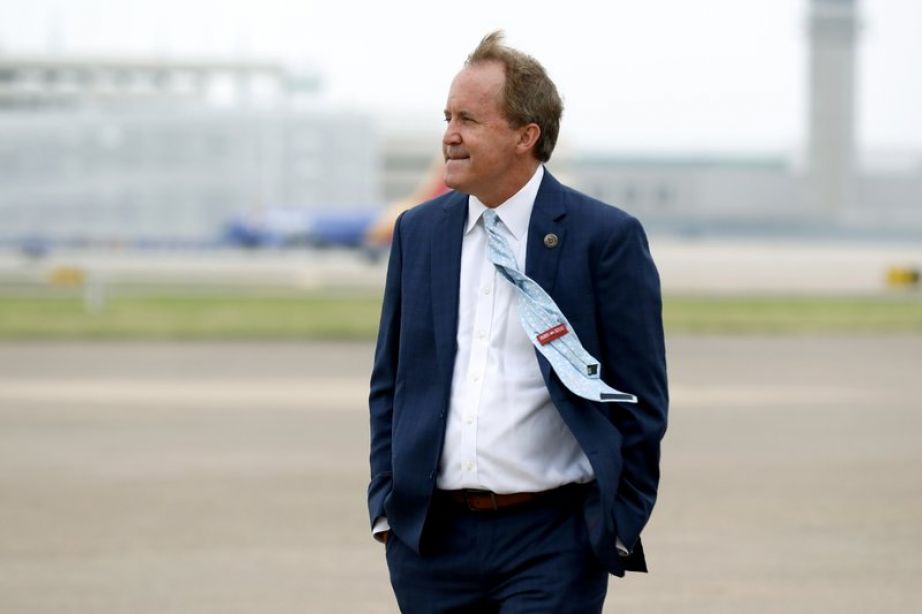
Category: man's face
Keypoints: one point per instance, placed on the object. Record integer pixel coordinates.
(479, 145)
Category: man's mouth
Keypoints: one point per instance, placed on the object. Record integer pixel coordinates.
(456, 155)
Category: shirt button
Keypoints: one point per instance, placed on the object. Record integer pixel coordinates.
(486, 290)
(469, 465)
(481, 335)
(468, 420)
(476, 378)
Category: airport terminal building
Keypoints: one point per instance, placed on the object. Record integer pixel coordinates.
(101, 151)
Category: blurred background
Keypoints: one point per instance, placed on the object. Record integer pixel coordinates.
(195, 209)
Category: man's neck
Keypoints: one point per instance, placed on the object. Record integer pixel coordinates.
(516, 180)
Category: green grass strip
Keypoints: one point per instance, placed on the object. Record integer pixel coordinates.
(897, 313)
(191, 317)
(186, 315)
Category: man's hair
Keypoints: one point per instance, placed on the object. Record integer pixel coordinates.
(529, 95)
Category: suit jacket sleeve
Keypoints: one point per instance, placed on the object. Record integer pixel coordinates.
(383, 382)
(634, 358)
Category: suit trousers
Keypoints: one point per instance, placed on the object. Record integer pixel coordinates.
(530, 558)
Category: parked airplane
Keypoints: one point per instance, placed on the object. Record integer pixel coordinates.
(286, 226)
(369, 230)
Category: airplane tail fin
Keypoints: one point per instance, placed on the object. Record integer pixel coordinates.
(381, 231)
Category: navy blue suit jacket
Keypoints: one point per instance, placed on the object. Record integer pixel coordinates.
(602, 277)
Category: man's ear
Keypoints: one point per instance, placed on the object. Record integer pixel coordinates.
(528, 136)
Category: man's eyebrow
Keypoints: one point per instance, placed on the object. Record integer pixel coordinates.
(466, 115)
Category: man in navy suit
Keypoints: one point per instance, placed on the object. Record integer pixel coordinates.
(495, 487)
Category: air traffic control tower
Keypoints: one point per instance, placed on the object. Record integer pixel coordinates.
(833, 30)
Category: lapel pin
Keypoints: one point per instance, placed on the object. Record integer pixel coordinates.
(550, 240)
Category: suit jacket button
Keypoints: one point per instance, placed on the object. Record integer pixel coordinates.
(550, 240)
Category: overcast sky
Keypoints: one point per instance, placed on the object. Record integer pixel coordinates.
(636, 75)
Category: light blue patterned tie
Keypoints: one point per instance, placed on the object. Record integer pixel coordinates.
(547, 327)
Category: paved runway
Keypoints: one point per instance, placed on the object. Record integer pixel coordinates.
(229, 478)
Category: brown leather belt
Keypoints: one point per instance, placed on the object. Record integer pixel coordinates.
(486, 501)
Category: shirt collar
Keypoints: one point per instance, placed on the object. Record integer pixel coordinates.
(515, 213)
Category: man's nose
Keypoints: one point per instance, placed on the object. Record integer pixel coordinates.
(451, 136)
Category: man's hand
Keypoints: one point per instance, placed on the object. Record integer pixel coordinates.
(382, 536)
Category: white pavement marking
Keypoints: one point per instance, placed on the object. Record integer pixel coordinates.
(352, 393)
(326, 393)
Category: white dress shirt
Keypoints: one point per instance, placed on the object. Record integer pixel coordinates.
(503, 432)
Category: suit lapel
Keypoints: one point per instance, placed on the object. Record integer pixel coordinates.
(445, 275)
(546, 219)
(540, 260)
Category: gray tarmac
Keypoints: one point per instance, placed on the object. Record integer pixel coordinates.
(230, 478)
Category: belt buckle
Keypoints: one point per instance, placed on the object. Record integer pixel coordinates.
(467, 500)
